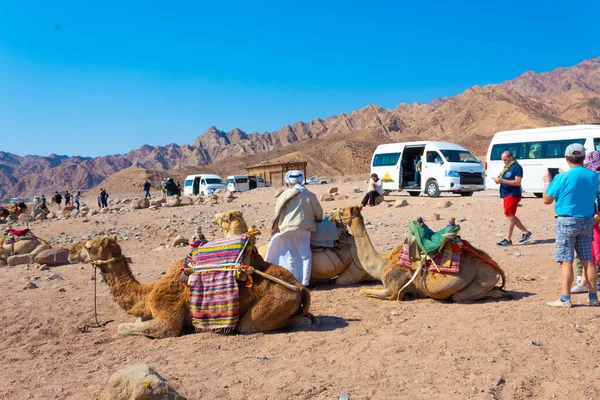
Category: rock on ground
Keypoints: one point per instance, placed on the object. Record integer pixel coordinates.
(140, 204)
(53, 256)
(333, 190)
(179, 240)
(20, 259)
(173, 201)
(140, 382)
(326, 197)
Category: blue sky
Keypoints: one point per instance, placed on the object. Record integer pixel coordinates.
(105, 77)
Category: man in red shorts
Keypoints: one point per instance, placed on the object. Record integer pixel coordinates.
(510, 190)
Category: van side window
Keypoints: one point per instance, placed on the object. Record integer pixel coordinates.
(188, 182)
(382, 160)
(534, 150)
(241, 180)
(203, 182)
(433, 157)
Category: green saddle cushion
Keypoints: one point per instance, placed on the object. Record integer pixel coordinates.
(428, 240)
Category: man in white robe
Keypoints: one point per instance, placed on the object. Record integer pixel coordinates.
(296, 211)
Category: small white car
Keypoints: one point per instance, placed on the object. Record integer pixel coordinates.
(315, 180)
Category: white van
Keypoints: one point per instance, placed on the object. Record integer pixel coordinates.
(242, 183)
(202, 184)
(537, 150)
(445, 167)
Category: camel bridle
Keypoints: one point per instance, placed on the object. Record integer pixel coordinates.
(99, 262)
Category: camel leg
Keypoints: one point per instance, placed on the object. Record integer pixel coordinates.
(383, 293)
(153, 328)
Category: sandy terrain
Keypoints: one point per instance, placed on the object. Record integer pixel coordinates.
(366, 348)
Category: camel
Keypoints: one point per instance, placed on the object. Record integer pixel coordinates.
(265, 306)
(341, 264)
(25, 246)
(476, 279)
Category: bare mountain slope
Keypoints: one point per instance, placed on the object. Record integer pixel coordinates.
(342, 143)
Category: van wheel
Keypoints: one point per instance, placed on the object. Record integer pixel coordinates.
(414, 194)
(433, 189)
(539, 195)
(466, 194)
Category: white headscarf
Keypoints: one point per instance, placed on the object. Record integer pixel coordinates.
(295, 178)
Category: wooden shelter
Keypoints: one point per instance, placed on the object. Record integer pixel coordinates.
(275, 172)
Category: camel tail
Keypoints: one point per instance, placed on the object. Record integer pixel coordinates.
(305, 308)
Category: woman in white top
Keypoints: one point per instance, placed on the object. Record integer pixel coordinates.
(375, 189)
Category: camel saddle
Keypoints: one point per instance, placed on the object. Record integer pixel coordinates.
(17, 232)
(440, 251)
(326, 234)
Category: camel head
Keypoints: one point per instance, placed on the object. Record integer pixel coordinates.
(232, 223)
(77, 253)
(345, 215)
(103, 249)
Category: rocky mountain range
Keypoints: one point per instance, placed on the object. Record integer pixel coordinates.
(341, 144)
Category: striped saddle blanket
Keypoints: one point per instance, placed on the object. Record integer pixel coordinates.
(214, 292)
(446, 261)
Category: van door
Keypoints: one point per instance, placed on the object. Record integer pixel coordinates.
(196, 187)
(387, 168)
(433, 169)
(252, 184)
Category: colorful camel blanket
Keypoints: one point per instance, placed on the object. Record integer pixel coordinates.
(447, 261)
(214, 300)
(214, 292)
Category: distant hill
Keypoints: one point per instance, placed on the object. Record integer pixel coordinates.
(341, 144)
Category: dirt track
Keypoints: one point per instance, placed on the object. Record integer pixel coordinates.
(367, 348)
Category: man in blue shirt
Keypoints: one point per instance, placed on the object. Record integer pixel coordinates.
(510, 191)
(575, 193)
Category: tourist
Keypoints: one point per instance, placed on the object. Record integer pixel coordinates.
(147, 186)
(296, 211)
(375, 190)
(57, 199)
(575, 192)
(103, 198)
(76, 199)
(592, 162)
(510, 191)
(67, 198)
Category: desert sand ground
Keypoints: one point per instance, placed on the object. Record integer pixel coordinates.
(363, 347)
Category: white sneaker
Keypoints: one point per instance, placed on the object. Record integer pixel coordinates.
(579, 288)
(560, 303)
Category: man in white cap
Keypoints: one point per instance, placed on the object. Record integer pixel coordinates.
(575, 193)
(296, 211)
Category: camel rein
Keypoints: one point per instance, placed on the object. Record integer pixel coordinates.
(95, 263)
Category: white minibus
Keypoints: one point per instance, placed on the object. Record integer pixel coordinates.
(537, 150)
(429, 167)
(202, 184)
(242, 183)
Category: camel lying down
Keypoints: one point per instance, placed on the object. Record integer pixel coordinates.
(476, 280)
(265, 306)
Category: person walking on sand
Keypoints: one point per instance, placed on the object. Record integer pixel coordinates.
(57, 199)
(147, 187)
(575, 192)
(76, 199)
(510, 191)
(296, 211)
(67, 198)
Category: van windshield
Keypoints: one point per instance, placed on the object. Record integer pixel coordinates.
(460, 156)
(213, 181)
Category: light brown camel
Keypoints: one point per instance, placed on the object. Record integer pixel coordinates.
(343, 264)
(265, 306)
(20, 247)
(476, 279)
(77, 253)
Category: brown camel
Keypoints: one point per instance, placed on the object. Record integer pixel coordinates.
(265, 306)
(343, 264)
(476, 279)
(24, 246)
